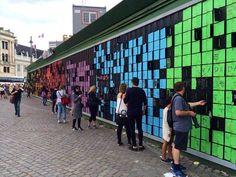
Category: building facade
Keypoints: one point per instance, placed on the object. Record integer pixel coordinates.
(7, 54)
(160, 42)
(85, 15)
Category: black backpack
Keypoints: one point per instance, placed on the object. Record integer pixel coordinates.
(169, 112)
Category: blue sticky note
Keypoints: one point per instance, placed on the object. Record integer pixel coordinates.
(163, 83)
(163, 64)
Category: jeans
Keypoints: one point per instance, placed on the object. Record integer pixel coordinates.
(61, 112)
(17, 108)
(138, 120)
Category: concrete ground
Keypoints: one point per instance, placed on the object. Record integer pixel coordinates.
(36, 145)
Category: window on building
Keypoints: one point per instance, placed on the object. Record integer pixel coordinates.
(4, 45)
(25, 68)
(18, 68)
(6, 57)
(6, 69)
(3, 57)
(89, 17)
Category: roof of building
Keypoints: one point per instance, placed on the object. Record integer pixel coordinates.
(111, 23)
(23, 50)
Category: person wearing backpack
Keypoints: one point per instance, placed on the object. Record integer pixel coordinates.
(182, 124)
(167, 134)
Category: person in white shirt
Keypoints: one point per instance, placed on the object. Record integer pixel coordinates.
(61, 112)
(167, 135)
(121, 109)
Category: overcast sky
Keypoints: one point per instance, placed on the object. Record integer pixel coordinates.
(53, 18)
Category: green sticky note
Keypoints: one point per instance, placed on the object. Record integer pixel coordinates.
(229, 99)
(187, 49)
(219, 56)
(205, 134)
(179, 28)
(227, 153)
(231, 69)
(231, 11)
(230, 83)
(230, 126)
(230, 140)
(169, 41)
(230, 111)
(207, 57)
(206, 32)
(187, 25)
(197, 9)
(196, 71)
(219, 3)
(196, 59)
(170, 83)
(195, 132)
(205, 122)
(207, 44)
(219, 110)
(218, 137)
(231, 54)
(178, 39)
(219, 28)
(197, 22)
(187, 37)
(178, 61)
(178, 50)
(228, 41)
(219, 83)
(207, 6)
(219, 69)
(217, 150)
(187, 13)
(231, 25)
(219, 97)
(206, 70)
(178, 72)
(194, 84)
(207, 19)
(186, 60)
(196, 47)
(170, 73)
(205, 147)
(195, 143)
(233, 156)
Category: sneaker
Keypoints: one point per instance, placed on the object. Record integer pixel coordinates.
(74, 129)
(178, 173)
(166, 160)
(81, 129)
(120, 143)
(95, 126)
(133, 148)
(59, 121)
(182, 167)
(64, 121)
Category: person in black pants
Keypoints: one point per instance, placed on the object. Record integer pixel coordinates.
(17, 92)
(54, 99)
(93, 102)
(121, 109)
(136, 100)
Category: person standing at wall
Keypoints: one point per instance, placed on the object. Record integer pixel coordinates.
(17, 92)
(77, 108)
(44, 95)
(167, 135)
(136, 99)
(54, 99)
(121, 109)
(61, 113)
(182, 124)
(93, 102)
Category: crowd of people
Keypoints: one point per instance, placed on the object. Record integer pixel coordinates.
(131, 106)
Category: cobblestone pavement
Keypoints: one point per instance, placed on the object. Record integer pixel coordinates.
(36, 145)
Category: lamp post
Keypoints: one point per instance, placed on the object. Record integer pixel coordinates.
(31, 50)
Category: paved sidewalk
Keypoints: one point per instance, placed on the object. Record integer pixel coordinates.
(36, 145)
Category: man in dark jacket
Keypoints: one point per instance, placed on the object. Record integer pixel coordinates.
(136, 101)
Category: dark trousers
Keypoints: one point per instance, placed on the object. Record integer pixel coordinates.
(17, 108)
(138, 120)
(119, 131)
(45, 101)
(93, 113)
(54, 105)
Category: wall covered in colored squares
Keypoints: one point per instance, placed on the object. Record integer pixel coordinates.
(196, 45)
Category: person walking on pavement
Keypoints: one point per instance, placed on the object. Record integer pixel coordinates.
(61, 112)
(136, 100)
(77, 108)
(54, 99)
(93, 102)
(17, 93)
(121, 109)
(44, 95)
(167, 135)
(182, 124)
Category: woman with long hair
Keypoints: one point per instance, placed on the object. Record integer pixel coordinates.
(93, 102)
(61, 112)
(77, 108)
(121, 109)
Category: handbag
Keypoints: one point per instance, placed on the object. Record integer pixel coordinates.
(121, 116)
(12, 99)
(64, 100)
